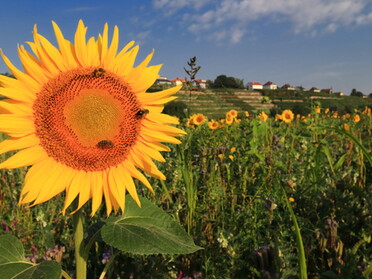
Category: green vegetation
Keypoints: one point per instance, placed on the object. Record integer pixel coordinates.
(215, 102)
(248, 193)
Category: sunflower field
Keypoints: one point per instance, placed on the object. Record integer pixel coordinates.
(257, 193)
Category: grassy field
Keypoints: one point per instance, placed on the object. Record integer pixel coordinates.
(232, 188)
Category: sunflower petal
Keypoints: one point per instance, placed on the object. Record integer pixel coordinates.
(11, 144)
(16, 126)
(24, 158)
(96, 188)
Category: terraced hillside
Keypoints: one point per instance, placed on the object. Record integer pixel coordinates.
(215, 104)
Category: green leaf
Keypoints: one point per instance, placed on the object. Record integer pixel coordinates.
(146, 230)
(13, 264)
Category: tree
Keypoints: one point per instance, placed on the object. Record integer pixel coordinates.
(356, 93)
(223, 81)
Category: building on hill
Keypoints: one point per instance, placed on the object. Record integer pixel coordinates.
(163, 81)
(270, 85)
(288, 87)
(339, 93)
(328, 90)
(314, 89)
(178, 81)
(254, 85)
(300, 88)
(201, 83)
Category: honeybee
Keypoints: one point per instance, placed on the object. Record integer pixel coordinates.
(142, 112)
(98, 72)
(105, 144)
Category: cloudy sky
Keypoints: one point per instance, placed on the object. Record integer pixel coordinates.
(322, 43)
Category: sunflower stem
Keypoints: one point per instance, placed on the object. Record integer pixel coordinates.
(80, 251)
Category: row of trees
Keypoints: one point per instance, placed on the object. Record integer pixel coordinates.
(223, 81)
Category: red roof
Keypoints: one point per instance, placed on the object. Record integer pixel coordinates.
(180, 79)
(269, 83)
(254, 83)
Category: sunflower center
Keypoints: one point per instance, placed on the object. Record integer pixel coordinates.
(87, 119)
(94, 116)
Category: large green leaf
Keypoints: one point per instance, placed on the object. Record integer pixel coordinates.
(146, 230)
(13, 264)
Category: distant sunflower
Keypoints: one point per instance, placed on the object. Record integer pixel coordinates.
(213, 124)
(229, 119)
(80, 115)
(198, 119)
(233, 113)
(287, 116)
(263, 116)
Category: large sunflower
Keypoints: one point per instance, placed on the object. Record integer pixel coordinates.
(80, 115)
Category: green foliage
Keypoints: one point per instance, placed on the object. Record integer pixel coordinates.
(14, 266)
(146, 230)
(356, 93)
(223, 81)
(176, 108)
(232, 201)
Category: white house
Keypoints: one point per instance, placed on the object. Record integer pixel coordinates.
(178, 81)
(201, 83)
(163, 81)
(254, 85)
(270, 85)
(288, 87)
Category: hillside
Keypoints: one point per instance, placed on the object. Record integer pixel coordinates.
(215, 103)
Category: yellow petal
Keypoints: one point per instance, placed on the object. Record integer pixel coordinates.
(32, 84)
(130, 186)
(169, 130)
(34, 181)
(146, 79)
(154, 98)
(24, 158)
(153, 136)
(15, 107)
(57, 179)
(16, 126)
(143, 148)
(125, 62)
(15, 90)
(137, 174)
(84, 189)
(65, 48)
(11, 144)
(117, 186)
(106, 193)
(143, 162)
(162, 118)
(80, 45)
(96, 188)
(72, 190)
(109, 58)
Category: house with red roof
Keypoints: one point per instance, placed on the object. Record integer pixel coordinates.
(327, 90)
(314, 89)
(201, 83)
(254, 85)
(178, 81)
(288, 87)
(270, 85)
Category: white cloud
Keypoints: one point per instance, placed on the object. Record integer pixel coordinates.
(230, 19)
(171, 6)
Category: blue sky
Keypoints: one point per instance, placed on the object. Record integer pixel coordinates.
(321, 43)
